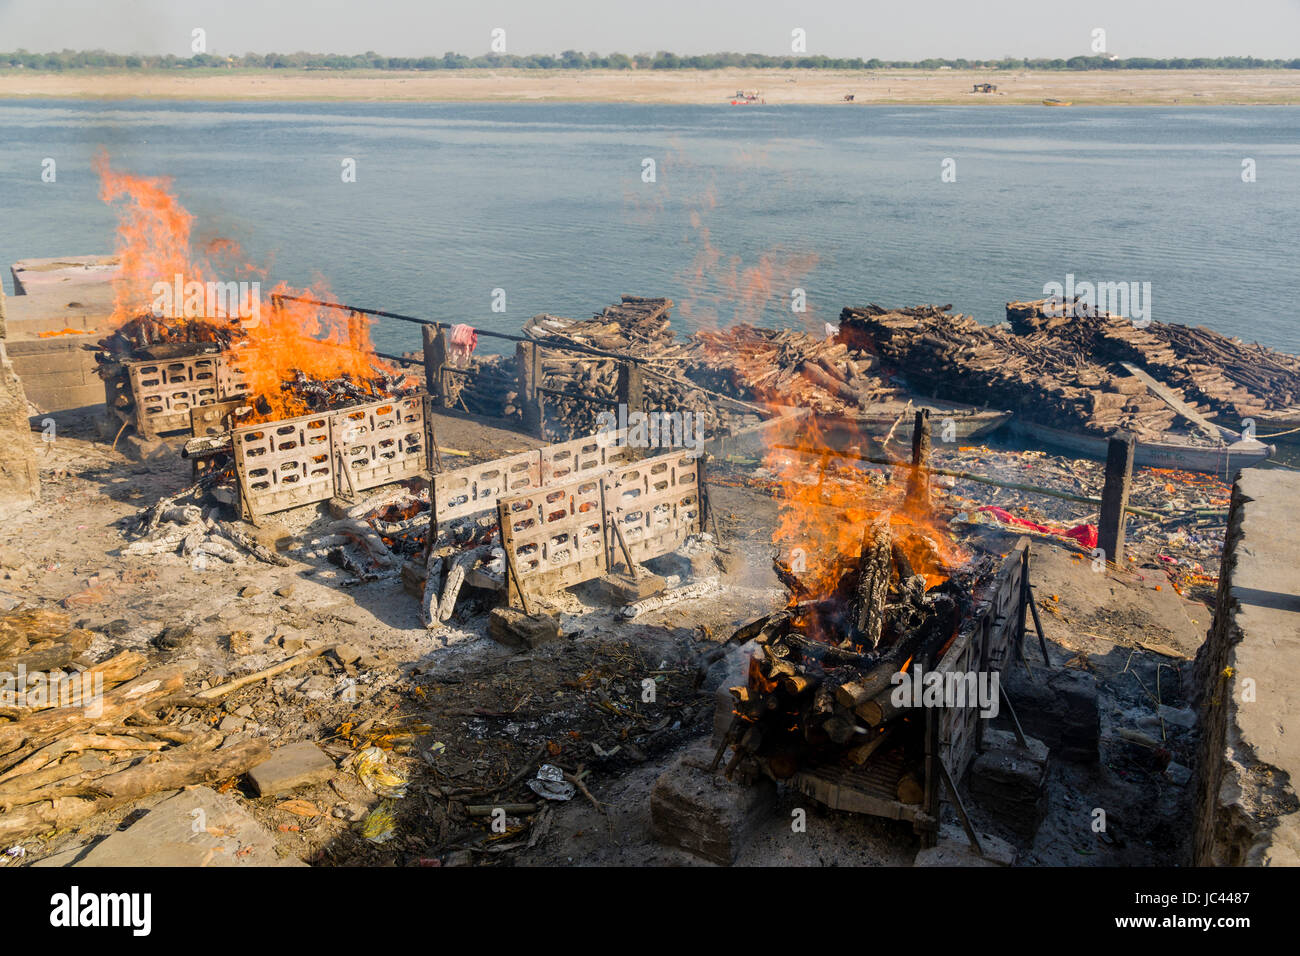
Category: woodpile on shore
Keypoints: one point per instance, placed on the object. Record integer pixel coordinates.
(787, 367)
(635, 326)
(80, 737)
(732, 377)
(951, 356)
(1063, 373)
(1216, 374)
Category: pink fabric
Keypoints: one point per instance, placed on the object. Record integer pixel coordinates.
(463, 342)
(1085, 534)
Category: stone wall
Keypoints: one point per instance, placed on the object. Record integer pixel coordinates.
(61, 307)
(19, 475)
(1247, 812)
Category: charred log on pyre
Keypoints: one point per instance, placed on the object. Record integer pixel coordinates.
(820, 680)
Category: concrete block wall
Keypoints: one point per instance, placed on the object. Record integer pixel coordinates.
(59, 375)
(60, 295)
(1248, 684)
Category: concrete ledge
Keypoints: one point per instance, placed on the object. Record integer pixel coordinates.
(57, 373)
(62, 274)
(1247, 811)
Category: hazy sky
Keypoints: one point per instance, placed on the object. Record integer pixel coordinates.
(897, 29)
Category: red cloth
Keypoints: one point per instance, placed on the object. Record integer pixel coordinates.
(1085, 534)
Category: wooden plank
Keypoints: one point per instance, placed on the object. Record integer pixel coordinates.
(1166, 395)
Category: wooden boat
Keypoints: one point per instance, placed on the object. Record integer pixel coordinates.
(1282, 427)
(968, 421)
(895, 421)
(1050, 101)
(1215, 459)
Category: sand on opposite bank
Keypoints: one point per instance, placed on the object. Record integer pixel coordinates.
(705, 87)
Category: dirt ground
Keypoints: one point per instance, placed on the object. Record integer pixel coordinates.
(465, 719)
(708, 87)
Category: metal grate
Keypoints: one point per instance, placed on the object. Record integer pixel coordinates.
(283, 464)
(379, 442)
(563, 534)
(165, 392)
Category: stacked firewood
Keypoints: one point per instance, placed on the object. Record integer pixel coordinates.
(1270, 376)
(80, 737)
(1208, 388)
(788, 367)
(1213, 372)
(633, 325)
(1038, 375)
(637, 327)
(819, 683)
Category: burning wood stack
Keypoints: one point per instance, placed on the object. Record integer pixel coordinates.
(1039, 376)
(320, 395)
(790, 368)
(150, 337)
(820, 682)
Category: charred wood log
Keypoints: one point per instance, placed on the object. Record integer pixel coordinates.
(875, 567)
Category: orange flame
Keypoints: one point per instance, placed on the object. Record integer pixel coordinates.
(283, 339)
(827, 502)
(153, 238)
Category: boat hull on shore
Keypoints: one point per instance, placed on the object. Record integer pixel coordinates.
(1220, 460)
(968, 422)
(1282, 427)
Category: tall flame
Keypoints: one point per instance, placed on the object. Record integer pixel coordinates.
(285, 340)
(827, 502)
(153, 237)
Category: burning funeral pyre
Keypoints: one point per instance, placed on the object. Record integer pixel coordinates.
(177, 350)
(885, 594)
(283, 356)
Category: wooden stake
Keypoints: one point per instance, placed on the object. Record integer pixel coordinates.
(435, 360)
(1114, 497)
(631, 390)
(918, 483)
(529, 365)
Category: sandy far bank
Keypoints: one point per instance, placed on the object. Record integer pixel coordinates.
(778, 87)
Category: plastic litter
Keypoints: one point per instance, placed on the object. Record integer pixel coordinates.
(551, 785)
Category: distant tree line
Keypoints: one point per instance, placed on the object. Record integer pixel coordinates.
(575, 60)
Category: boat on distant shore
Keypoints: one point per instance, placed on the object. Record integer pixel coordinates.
(1183, 453)
(1051, 101)
(967, 420)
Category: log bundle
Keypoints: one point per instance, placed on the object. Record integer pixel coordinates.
(1037, 375)
(820, 683)
(79, 737)
(637, 327)
(788, 367)
(1214, 373)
